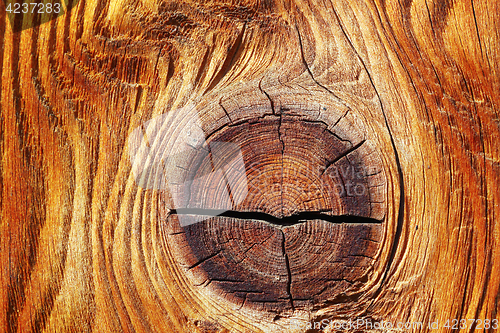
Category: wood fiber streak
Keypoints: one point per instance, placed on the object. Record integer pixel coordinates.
(312, 92)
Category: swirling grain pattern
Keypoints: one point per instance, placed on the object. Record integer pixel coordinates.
(407, 89)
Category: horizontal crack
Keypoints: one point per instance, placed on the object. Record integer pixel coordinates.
(284, 221)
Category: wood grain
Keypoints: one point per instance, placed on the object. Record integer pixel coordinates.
(403, 93)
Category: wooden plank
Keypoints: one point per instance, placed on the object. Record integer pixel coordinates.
(342, 159)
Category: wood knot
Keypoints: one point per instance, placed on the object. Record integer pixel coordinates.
(275, 212)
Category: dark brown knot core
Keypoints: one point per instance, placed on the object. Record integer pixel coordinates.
(301, 225)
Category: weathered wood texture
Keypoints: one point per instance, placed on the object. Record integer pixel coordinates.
(397, 99)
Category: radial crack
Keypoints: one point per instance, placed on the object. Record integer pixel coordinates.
(282, 160)
(289, 272)
(225, 111)
(345, 153)
(204, 259)
(267, 95)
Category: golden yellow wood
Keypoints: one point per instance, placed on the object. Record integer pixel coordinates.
(85, 248)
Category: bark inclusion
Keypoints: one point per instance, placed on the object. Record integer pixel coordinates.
(309, 226)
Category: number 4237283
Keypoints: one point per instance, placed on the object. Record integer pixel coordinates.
(34, 8)
(478, 324)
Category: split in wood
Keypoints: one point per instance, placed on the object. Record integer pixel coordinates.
(293, 219)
